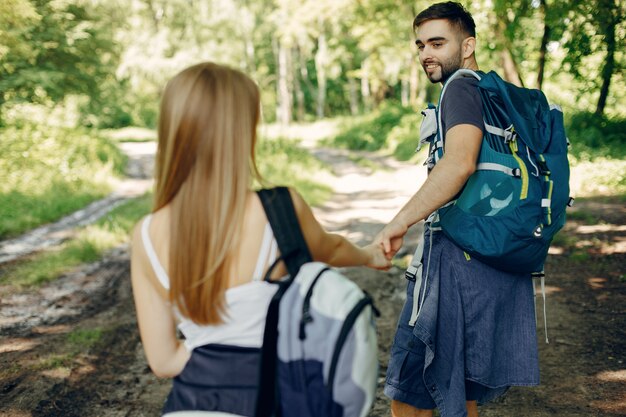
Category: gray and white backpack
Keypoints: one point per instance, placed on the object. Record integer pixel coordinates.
(319, 355)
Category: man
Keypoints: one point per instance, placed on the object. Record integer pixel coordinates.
(467, 331)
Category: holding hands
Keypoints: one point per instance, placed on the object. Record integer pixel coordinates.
(386, 244)
(376, 257)
(390, 239)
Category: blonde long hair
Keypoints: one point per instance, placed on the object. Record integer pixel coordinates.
(204, 167)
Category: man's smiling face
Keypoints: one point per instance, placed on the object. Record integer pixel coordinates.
(439, 46)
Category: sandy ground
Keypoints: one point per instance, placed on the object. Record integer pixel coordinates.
(44, 371)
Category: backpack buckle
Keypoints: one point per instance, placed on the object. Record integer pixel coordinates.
(543, 167)
(411, 273)
(509, 134)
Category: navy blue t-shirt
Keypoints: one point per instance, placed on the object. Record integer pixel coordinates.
(462, 104)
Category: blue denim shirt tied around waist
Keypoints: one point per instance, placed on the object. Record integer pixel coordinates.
(478, 325)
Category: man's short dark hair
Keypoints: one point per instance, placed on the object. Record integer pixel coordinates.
(452, 11)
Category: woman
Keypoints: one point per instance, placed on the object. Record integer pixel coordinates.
(199, 258)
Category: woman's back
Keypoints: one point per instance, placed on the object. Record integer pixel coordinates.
(249, 245)
(248, 294)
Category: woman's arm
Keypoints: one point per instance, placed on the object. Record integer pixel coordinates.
(166, 354)
(332, 248)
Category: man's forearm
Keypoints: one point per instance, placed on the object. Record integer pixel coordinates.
(443, 183)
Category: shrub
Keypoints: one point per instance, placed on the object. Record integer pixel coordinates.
(370, 132)
(50, 172)
(282, 162)
(594, 136)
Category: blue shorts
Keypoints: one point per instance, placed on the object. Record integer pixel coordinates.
(405, 371)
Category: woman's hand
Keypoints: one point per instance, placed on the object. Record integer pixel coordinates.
(376, 258)
(391, 238)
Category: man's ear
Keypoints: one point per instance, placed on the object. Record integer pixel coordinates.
(469, 46)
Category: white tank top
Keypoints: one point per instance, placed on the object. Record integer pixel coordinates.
(246, 305)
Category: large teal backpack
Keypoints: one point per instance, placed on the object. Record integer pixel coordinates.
(513, 205)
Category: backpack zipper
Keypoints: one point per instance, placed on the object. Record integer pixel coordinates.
(306, 317)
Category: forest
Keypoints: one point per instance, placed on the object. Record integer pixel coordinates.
(104, 62)
(341, 93)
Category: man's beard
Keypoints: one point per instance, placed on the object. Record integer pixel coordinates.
(447, 68)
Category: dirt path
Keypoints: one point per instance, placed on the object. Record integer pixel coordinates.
(72, 348)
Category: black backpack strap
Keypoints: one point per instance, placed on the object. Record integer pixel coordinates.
(282, 216)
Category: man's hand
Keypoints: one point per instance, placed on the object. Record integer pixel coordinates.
(376, 257)
(391, 238)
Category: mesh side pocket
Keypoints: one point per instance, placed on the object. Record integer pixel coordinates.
(489, 193)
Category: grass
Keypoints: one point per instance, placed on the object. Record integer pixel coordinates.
(282, 162)
(582, 216)
(391, 128)
(88, 245)
(83, 339)
(69, 347)
(50, 172)
(564, 240)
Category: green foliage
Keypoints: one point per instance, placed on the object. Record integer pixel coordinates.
(370, 132)
(51, 172)
(597, 154)
(594, 136)
(392, 128)
(339, 55)
(52, 49)
(282, 162)
(404, 138)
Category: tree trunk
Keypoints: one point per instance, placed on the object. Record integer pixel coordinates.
(365, 86)
(354, 96)
(609, 63)
(544, 45)
(304, 75)
(321, 59)
(297, 87)
(404, 92)
(283, 95)
(250, 58)
(511, 73)
(1, 105)
(414, 81)
(509, 66)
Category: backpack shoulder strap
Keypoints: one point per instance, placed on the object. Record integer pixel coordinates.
(283, 219)
(463, 72)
